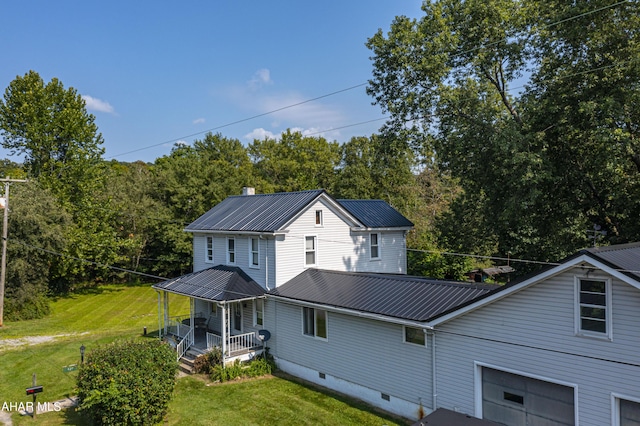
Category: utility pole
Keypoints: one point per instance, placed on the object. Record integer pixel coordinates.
(5, 234)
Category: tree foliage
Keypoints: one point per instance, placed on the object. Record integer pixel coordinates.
(540, 164)
(127, 383)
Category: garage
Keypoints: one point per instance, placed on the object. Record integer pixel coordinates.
(516, 400)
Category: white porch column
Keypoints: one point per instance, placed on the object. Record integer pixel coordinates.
(224, 332)
(159, 316)
(166, 311)
(192, 308)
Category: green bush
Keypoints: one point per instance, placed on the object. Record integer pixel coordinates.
(204, 363)
(127, 382)
(260, 366)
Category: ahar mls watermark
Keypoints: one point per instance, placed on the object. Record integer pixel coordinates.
(41, 407)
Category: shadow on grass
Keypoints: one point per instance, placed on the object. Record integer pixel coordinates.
(342, 398)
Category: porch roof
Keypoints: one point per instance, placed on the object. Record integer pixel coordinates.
(219, 283)
(399, 296)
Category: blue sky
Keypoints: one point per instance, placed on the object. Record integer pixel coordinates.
(157, 72)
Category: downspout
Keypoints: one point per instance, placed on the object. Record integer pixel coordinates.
(434, 381)
(224, 332)
(166, 311)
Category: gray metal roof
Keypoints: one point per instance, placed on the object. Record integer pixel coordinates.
(271, 212)
(220, 283)
(255, 213)
(375, 213)
(398, 296)
(624, 257)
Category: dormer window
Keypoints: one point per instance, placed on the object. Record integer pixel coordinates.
(231, 250)
(318, 217)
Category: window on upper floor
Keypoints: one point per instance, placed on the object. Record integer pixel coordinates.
(318, 217)
(414, 335)
(258, 312)
(374, 245)
(254, 252)
(593, 307)
(310, 250)
(314, 322)
(208, 250)
(231, 250)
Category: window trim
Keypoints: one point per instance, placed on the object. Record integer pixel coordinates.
(377, 246)
(319, 218)
(255, 312)
(231, 252)
(252, 252)
(615, 406)
(208, 250)
(579, 331)
(314, 333)
(315, 250)
(421, 330)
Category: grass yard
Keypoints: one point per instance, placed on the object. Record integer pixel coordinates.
(112, 312)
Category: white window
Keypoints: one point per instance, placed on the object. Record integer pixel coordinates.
(231, 250)
(258, 314)
(208, 257)
(626, 411)
(310, 250)
(254, 252)
(374, 246)
(314, 322)
(318, 217)
(414, 335)
(593, 307)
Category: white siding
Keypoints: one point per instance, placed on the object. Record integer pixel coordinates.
(338, 248)
(532, 332)
(364, 352)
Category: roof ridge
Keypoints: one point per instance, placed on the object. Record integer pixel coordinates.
(277, 193)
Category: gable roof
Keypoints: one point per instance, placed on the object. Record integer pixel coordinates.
(621, 261)
(219, 283)
(273, 212)
(376, 214)
(397, 296)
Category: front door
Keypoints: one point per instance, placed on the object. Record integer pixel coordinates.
(236, 318)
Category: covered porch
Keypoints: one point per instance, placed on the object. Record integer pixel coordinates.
(226, 311)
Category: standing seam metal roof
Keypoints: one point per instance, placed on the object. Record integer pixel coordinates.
(375, 213)
(405, 297)
(625, 257)
(219, 283)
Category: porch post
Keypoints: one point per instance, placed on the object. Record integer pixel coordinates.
(159, 316)
(166, 311)
(224, 332)
(192, 308)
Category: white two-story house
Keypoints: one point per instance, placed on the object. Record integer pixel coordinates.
(250, 244)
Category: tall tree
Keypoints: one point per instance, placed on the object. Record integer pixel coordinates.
(543, 165)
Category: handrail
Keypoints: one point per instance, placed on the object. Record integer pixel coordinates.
(185, 344)
(242, 341)
(213, 341)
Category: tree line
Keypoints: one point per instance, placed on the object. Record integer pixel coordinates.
(482, 163)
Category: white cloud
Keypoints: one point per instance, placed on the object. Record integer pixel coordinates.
(260, 134)
(199, 121)
(95, 104)
(260, 78)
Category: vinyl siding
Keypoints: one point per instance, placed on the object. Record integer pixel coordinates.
(338, 248)
(362, 351)
(533, 332)
(267, 256)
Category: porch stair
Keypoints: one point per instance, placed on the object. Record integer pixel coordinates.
(186, 363)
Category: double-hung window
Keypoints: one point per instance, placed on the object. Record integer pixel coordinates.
(318, 217)
(593, 307)
(314, 322)
(258, 318)
(254, 252)
(374, 245)
(208, 257)
(310, 249)
(231, 251)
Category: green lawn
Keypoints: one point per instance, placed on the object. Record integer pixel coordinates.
(112, 312)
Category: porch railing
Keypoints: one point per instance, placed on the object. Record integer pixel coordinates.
(213, 341)
(184, 344)
(241, 342)
(179, 325)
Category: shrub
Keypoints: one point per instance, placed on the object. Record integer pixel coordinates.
(204, 363)
(260, 366)
(127, 382)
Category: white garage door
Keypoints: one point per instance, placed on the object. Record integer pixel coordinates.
(516, 400)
